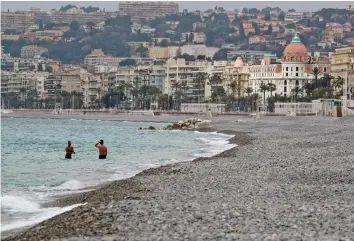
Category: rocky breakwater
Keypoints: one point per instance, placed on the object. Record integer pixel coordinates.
(186, 124)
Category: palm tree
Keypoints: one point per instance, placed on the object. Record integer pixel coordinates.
(308, 87)
(297, 91)
(175, 85)
(315, 72)
(200, 80)
(23, 96)
(214, 81)
(263, 88)
(249, 91)
(271, 87)
(326, 80)
(233, 86)
(183, 88)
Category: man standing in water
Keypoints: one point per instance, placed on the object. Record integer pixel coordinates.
(69, 150)
(102, 150)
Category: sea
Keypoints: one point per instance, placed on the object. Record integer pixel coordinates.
(34, 170)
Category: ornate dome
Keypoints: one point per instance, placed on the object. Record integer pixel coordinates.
(295, 47)
(238, 63)
(295, 51)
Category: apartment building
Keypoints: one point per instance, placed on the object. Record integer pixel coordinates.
(199, 49)
(94, 87)
(10, 37)
(342, 65)
(49, 34)
(158, 53)
(97, 57)
(79, 16)
(334, 30)
(19, 21)
(247, 55)
(147, 10)
(179, 71)
(61, 82)
(30, 51)
(14, 82)
(199, 38)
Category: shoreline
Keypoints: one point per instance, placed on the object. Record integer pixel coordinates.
(289, 178)
(128, 186)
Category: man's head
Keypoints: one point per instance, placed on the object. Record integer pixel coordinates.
(69, 143)
(101, 142)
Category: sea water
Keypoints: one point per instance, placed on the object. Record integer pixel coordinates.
(34, 170)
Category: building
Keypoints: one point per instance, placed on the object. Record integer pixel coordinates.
(257, 39)
(342, 65)
(293, 70)
(79, 16)
(179, 71)
(97, 57)
(147, 10)
(297, 16)
(30, 51)
(247, 55)
(334, 30)
(94, 86)
(49, 34)
(10, 37)
(199, 38)
(61, 82)
(19, 21)
(199, 49)
(198, 26)
(158, 53)
(105, 69)
(15, 81)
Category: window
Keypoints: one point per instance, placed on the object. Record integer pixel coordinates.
(291, 68)
(325, 69)
(296, 74)
(287, 68)
(297, 82)
(286, 74)
(285, 83)
(297, 68)
(285, 89)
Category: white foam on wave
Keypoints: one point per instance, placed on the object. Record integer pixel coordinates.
(214, 145)
(70, 185)
(19, 204)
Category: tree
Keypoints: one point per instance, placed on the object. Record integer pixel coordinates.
(127, 62)
(41, 25)
(90, 9)
(74, 26)
(271, 87)
(164, 43)
(315, 72)
(270, 29)
(267, 16)
(296, 92)
(187, 39)
(214, 81)
(263, 88)
(281, 16)
(291, 10)
(191, 37)
(245, 10)
(67, 7)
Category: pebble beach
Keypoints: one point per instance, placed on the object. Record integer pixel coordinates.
(288, 178)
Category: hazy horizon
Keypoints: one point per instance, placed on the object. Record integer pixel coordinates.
(190, 5)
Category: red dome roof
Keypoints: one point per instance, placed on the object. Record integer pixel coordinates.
(295, 48)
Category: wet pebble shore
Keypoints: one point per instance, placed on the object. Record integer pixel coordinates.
(289, 178)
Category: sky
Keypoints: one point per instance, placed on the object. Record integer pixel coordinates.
(190, 5)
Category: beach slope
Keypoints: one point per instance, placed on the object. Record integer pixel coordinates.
(288, 178)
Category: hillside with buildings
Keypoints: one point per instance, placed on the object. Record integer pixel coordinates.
(149, 55)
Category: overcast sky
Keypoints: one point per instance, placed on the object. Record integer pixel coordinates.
(190, 5)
